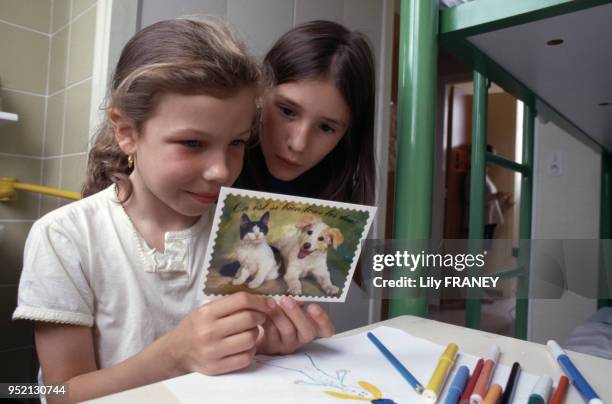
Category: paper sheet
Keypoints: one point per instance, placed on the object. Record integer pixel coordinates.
(334, 365)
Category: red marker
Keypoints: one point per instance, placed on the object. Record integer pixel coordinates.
(465, 397)
(561, 391)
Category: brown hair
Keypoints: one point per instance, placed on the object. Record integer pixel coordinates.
(327, 50)
(184, 55)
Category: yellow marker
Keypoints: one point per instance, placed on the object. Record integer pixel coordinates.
(446, 362)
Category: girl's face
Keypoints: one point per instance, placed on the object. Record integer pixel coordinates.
(190, 147)
(301, 123)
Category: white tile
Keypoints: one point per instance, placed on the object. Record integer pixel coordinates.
(73, 174)
(261, 22)
(61, 14)
(308, 10)
(159, 10)
(55, 125)
(23, 137)
(51, 174)
(57, 66)
(81, 46)
(33, 14)
(76, 127)
(78, 6)
(23, 59)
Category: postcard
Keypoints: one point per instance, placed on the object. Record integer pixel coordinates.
(275, 245)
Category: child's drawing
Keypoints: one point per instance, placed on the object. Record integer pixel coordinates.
(312, 375)
(375, 391)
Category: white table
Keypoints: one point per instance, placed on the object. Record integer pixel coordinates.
(534, 358)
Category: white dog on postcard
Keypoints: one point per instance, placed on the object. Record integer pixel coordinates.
(304, 251)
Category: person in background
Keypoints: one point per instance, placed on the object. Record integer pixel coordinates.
(496, 203)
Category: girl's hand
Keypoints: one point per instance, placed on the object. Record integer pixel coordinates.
(220, 336)
(290, 327)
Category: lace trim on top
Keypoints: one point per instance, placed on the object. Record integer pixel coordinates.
(176, 247)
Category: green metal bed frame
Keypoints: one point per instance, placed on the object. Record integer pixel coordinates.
(423, 29)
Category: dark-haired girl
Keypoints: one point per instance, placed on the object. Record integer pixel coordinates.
(316, 137)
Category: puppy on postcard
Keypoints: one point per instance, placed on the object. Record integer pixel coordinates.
(305, 252)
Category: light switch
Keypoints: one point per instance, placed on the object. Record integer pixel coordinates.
(554, 164)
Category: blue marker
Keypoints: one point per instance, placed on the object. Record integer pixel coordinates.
(586, 391)
(457, 385)
(418, 387)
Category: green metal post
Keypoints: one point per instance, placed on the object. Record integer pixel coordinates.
(477, 185)
(605, 263)
(416, 128)
(522, 301)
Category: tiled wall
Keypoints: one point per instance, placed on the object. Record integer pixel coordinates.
(70, 71)
(46, 49)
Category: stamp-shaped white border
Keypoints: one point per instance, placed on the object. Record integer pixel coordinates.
(225, 191)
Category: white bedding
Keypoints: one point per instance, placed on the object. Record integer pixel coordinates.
(594, 337)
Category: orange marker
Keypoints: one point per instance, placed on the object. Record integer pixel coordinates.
(494, 394)
(485, 376)
(561, 391)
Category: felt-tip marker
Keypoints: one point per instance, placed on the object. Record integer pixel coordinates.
(440, 373)
(405, 373)
(584, 388)
(457, 385)
(559, 395)
(493, 395)
(465, 397)
(541, 391)
(511, 384)
(486, 375)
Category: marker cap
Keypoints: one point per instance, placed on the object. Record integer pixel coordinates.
(476, 399)
(430, 396)
(555, 348)
(542, 387)
(493, 354)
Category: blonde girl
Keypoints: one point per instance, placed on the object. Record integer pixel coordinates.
(113, 281)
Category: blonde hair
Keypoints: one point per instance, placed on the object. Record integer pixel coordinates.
(185, 55)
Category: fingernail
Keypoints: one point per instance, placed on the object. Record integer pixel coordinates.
(271, 303)
(315, 310)
(287, 303)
